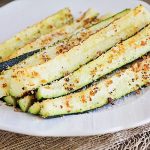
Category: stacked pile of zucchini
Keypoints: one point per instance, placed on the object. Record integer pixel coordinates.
(60, 66)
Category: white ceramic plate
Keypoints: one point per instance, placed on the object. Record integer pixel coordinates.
(130, 112)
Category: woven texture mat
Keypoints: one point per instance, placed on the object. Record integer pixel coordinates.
(133, 139)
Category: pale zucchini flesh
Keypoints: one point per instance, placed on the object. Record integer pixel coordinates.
(31, 33)
(26, 102)
(116, 57)
(27, 79)
(10, 101)
(87, 19)
(112, 88)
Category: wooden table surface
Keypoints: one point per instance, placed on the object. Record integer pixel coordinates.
(137, 138)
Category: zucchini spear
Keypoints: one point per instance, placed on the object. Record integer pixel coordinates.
(28, 79)
(28, 35)
(85, 21)
(10, 101)
(26, 102)
(118, 56)
(52, 51)
(112, 88)
(43, 56)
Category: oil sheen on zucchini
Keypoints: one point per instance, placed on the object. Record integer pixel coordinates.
(50, 52)
(85, 21)
(116, 57)
(31, 33)
(112, 88)
(27, 79)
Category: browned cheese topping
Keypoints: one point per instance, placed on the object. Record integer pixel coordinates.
(4, 85)
(83, 99)
(108, 82)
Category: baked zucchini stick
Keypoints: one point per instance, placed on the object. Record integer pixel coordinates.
(28, 35)
(26, 102)
(116, 57)
(52, 51)
(87, 19)
(27, 79)
(112, 88)
(10, 101)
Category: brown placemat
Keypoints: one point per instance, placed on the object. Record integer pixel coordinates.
(4, 2)
(132, 139)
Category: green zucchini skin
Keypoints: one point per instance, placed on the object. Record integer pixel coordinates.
(114, 87)
(27, 79)
(10, 101)
(120, 55)
(108, 21)
(56, 36)
(26, 102)
(7, 64)
(28, 35)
